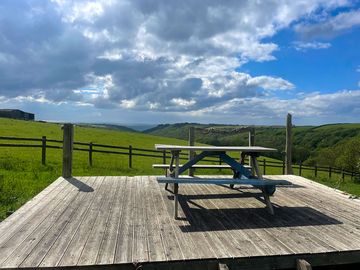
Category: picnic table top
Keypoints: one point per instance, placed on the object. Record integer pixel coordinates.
(248, 149)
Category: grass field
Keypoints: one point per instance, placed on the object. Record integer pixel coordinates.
(22, 176)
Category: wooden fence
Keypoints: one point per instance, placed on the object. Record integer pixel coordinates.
(90, 147)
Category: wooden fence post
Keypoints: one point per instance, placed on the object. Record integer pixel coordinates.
(90, 154)
(329, 172)
(288, 146)
(191, 143)
(130, 156)
(316, 168)
(300, 167)
(283, 166)
(68, 141)
(43, 150)
(264, 166)
(342, 174)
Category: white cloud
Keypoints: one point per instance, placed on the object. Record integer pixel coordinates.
(271, 83)
(183, 102)
(304, 46)
(113, 55)
(310, 108)
(330, 26)
(84, 11)
(128, 104)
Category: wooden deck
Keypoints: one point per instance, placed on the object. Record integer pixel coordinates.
(126, 222)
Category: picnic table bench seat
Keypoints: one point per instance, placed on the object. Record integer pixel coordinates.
(223, 181)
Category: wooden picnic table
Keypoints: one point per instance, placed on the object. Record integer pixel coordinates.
(241, 174)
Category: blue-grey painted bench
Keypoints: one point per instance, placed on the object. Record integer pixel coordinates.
(223, 181)
(197, 166)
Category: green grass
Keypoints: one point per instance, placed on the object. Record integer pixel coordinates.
(22, 176)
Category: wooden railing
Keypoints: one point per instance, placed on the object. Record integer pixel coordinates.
(92, 148)
(44, 143)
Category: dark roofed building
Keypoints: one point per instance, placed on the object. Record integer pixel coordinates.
(16, 114)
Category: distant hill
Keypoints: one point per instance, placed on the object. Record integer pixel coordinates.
(108, 126)
(308, 140)
(139, 126)
(121, 127)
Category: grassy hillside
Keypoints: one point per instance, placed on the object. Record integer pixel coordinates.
(22, 175)
(308, 140)
(107, 126)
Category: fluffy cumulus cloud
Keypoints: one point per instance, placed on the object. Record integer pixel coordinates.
(330, 26)
(339, 106)
(155, 55)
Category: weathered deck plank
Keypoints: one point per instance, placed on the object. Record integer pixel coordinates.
(38, 252)
(155, 240)
(7, 226)
(32, 228)
(343, 238)
(165, 220)
(125, 234)
(78, 241)
(57, 250)
(254, 243)
(227, 243)
(108, 245)
(93, 243)
(20, 217)
(129, 220)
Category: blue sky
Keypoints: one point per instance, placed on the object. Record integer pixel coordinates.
(160, 61)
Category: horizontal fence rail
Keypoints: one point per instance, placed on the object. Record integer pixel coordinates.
(165, 156)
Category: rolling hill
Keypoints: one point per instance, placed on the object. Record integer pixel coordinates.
(308, 140)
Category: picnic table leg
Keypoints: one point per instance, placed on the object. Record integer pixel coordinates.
(170, 168)
(176, 185)
(263, 189)
(176, 200)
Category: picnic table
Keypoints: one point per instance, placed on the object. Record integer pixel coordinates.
(241, 174)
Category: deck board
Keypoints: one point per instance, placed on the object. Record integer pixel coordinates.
(38, 252)
(57, 249)
(78, 241)
(108, 245)
(107, 220)
(30, 229)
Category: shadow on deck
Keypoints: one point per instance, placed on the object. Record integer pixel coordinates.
(203, 219)
(80, 185)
